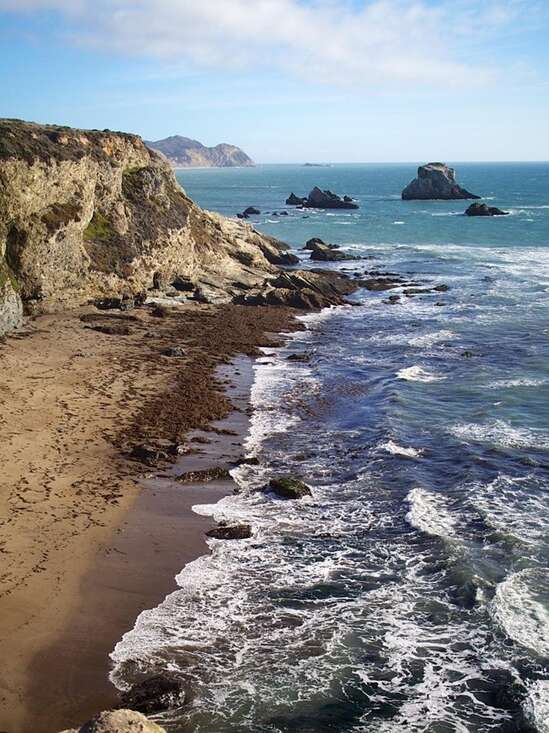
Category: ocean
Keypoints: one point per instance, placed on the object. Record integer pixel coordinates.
(411, 591)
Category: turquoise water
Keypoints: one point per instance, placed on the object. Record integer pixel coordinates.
(411, 592)
(383, 217)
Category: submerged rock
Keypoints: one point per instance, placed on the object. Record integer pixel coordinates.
(435, 181)
(155, 695)
(289, 488)
(485, 210)
(119, 721)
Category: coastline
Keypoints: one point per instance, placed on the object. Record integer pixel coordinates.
(99, 546)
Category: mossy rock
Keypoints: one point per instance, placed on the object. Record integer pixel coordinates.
(99, 228)
(289, 488)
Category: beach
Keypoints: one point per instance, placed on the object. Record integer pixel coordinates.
(89, 539)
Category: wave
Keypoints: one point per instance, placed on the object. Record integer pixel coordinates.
(397, 450)
(503, 435)
(537, 705)
(521, 609)
(517, 382)
(418, 374)
(429, 339)
(428, 513)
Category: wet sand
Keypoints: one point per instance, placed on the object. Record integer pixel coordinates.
(85, 543)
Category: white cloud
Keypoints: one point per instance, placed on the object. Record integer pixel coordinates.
(352, 43)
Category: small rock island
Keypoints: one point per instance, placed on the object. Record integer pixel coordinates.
(485, 210)
(318, 199)
(435, 181)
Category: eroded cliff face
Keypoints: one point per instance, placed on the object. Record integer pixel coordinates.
(90, 214)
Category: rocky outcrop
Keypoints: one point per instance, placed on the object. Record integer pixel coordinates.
(318, 199)
(322, 252)
(484, 210)
(435, 181)
(90, 215)
(182, 152)
(303, 289)
(119, 721)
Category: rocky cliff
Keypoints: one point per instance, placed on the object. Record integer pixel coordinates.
(90, 214)
(435, 181)
(182, 152)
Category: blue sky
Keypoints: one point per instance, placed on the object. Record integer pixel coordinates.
(289, 80)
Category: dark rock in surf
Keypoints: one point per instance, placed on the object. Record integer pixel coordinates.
(319, 199)
(289, 488)
(227, 531)
(435, 181)
(485, 210)
(251, 211)
(155, 695)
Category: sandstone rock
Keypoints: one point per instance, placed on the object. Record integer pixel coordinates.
(88, 215)
(289, 488)
(119, 721)
(484, 210)
(435, 181)
(154, 695)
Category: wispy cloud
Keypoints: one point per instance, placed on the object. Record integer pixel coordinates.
(384, 42)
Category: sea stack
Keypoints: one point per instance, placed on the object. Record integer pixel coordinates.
(435, 181)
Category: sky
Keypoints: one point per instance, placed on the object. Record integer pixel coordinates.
(289, 80)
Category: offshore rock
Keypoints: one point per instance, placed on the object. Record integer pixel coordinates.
(88, 215)
(289, 488)
(435, 181)
(119, 721)
(318, 199)
(484, 210)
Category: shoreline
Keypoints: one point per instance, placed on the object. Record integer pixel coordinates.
(93, 579)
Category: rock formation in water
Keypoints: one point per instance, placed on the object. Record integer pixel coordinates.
(318, 199)
(484, 210)
(182, 152)
(435, 181)
(88, 215)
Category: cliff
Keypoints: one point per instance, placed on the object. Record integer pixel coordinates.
(182, 152)
(90, 214)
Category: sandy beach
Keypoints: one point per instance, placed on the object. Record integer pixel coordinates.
(89, 537)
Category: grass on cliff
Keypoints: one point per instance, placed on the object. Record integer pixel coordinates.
(99, 228)
(7, 276)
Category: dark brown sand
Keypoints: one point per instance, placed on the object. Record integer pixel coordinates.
(85, 543)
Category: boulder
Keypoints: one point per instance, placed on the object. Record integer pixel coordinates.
(173, 351)
(154, 695)
(316, 242)
(294, 200)
(289, 488)
(183, 284)
(228, 531)
(119, 721)
(251, 211)
(329, 253)
(484, 210)
(435, 181)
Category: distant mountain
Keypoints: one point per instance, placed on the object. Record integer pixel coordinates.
(182, 152)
